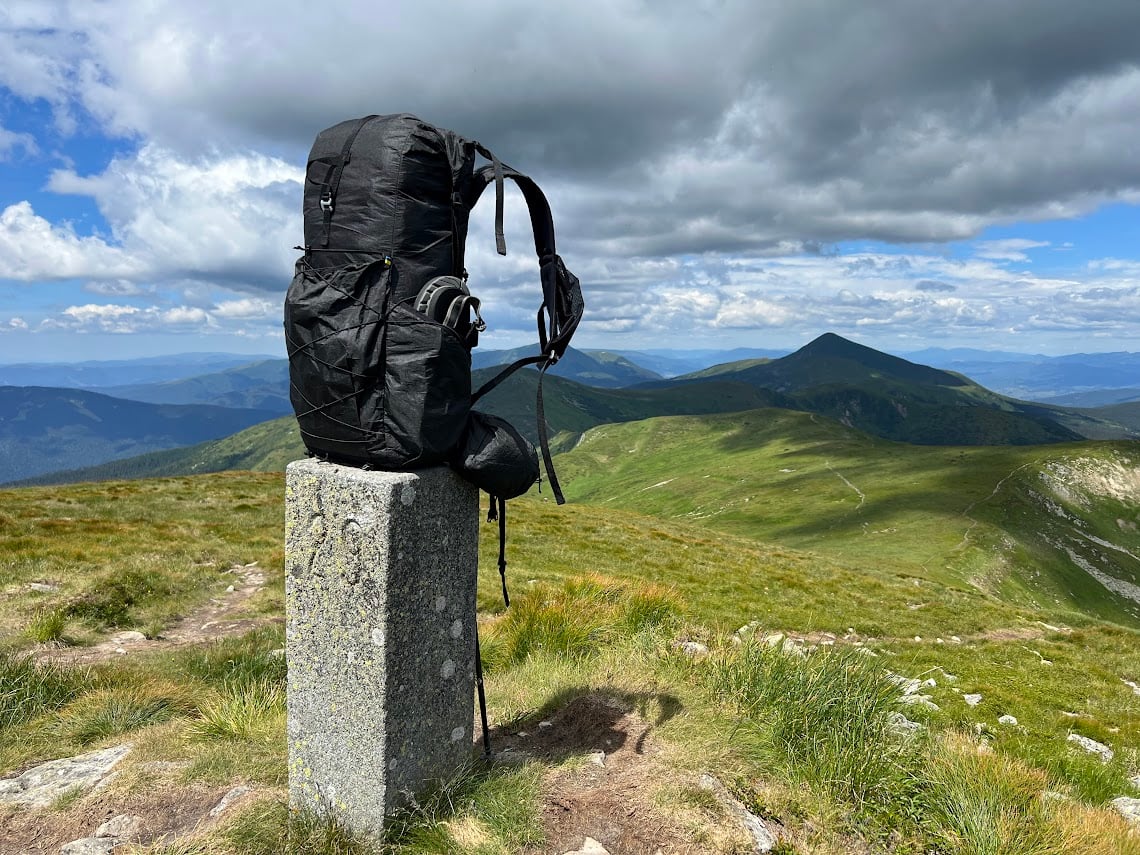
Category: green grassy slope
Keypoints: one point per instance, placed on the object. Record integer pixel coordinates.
(1034, 526)
(1057, 670)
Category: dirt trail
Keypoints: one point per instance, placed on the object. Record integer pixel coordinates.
(218, 618)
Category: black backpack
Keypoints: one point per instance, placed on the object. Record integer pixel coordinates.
(379, 321)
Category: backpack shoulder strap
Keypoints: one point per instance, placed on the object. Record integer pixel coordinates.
(562, 303)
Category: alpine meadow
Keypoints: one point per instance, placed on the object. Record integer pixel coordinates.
(777, 359)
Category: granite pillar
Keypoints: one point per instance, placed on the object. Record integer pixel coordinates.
(380, 635)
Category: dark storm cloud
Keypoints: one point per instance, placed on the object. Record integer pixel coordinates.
(668, 128)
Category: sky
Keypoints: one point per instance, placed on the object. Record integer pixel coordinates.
(722, 173)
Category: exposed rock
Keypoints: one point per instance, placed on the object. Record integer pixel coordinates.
(41, 785)
(908, 685)
(1135, 687)
(1128, 808)
(598, 758)
(930, 682)
(43, 587)
(901, 724)
(923, 701)
(1092, 746)
(590, 847)
(761, 836)
(122, 827)
(228, 799)
(89, 846)
(546, 724)
(972, 699)
(693, 648)
(512, 757)
(1007, 719)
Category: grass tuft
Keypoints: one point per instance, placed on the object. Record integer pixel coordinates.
(251, 659)
(28, 689)
(247, 711)
(577, 619)
(48, 626)
(121, 709)
(825, 719)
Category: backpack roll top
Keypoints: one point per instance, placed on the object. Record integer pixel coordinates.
(388, 185)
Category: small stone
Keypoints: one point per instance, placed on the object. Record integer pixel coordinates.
(955, 639)
(598, 758)
(228, 799)
(762, 838)
(901, 724)
(908, 685)
(43, 587)
(930, 682)
(693, 648)
(939, 641)
(129, 637)
(89, 846)
(1092, 746)
(972, 699)
(230, 589)
(923, 701)
(1007, 719)
(546, 724)
(1128, 808)
(590, 847)
(918, 638)
(512, 757)
(121, 827)
(522, 734)
(776, 639)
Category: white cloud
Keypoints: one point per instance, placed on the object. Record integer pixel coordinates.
(248, 308)
(34, 249)
(14, 325)
(10, 141)
(1008, 249)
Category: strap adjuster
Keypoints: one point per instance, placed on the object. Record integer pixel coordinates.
(327, 202)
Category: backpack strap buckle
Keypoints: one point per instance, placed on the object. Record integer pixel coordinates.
(327, 202)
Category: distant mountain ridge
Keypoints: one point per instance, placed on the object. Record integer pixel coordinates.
(896, 399)
(857, 386)
(45, 429)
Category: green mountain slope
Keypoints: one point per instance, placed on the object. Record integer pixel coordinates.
(900, 400)
(260, 385)
(600, 368)
(42, 429)
(570, 407)
(1054, 525)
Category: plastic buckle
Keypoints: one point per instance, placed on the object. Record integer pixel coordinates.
(327, 203)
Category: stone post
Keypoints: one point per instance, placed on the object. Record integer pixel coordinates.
(379, 635)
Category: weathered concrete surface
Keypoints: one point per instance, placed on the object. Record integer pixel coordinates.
(380, 635)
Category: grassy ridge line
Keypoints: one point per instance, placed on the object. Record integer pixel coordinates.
(997, 519)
